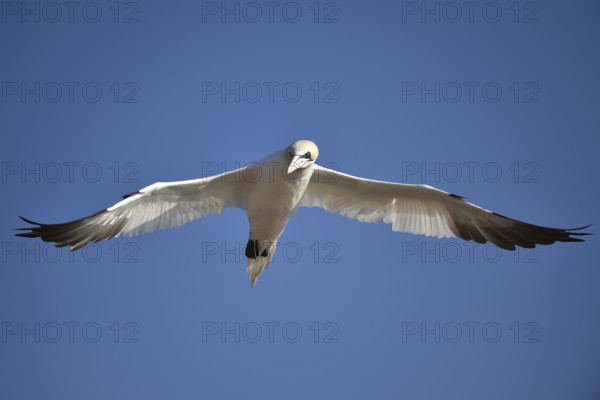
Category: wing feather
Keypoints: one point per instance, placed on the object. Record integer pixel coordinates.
(424, 210)
(155, 207)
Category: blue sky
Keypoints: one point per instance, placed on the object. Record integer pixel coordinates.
(497, 103)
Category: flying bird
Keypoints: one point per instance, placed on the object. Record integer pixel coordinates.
(271, 191)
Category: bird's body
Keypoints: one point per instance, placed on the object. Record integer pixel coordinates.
(273, 198)
(271, 191)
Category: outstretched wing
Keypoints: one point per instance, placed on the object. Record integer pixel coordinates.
(158, 206)
(424, 210)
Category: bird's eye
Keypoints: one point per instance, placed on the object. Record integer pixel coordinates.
(307, 155)
(291, 155)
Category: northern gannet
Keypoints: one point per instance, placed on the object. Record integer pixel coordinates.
(271, 191)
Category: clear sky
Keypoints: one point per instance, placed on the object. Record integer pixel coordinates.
(494, 101)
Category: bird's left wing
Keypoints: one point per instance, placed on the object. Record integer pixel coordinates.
(158, 206)
(422, 209)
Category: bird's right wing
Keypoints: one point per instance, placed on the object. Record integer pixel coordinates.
(158, 206)
(424, 210)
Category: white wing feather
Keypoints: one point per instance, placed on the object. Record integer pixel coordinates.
(155, 207)
(422, 209)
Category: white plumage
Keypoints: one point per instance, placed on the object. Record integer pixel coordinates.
(287, 180)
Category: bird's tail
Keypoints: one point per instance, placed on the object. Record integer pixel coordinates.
(260, 254)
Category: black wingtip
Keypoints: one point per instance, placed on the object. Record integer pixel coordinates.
(32, 231)
(511, 232)
(30, 221)
(580, 229)
(554, 229)
(27, 235)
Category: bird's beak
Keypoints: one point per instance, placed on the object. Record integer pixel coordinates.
(297, 163)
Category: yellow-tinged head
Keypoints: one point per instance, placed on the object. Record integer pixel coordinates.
(302, 154)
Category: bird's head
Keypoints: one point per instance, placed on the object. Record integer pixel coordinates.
(302, 154)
